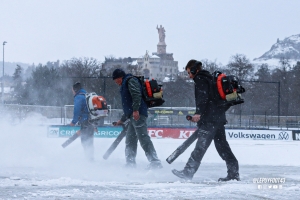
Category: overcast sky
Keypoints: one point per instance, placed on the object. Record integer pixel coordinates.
(38, 31)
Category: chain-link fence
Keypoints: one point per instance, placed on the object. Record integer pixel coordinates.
(159, 116)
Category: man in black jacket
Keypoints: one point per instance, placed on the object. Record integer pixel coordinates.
(210, 119)
(136, 110)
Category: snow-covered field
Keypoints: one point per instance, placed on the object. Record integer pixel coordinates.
(33, 166)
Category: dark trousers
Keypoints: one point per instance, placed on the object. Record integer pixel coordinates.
(206, 133)
(137, 131)
(87, 139)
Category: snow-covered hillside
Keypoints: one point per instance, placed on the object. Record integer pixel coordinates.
(288, 48)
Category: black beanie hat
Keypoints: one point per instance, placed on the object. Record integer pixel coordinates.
(76, 87)
(118, 73)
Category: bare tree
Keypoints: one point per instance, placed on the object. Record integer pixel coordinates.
(211, 66)
(241, 67)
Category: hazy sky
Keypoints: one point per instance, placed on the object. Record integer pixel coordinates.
(38, 31)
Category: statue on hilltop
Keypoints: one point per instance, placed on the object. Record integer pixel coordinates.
(161, 33)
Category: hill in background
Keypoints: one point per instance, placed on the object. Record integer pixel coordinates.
(288, 48)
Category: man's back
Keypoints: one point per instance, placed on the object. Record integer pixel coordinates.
(132, 96)
(81, 112)
(206, 102)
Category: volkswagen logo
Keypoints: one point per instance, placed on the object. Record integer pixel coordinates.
(283, 136)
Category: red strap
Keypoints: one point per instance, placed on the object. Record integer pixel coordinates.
(219, 86)
(148, 88)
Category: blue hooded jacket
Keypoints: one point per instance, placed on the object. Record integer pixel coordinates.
(81, 112)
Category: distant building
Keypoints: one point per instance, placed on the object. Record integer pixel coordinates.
(183, 74)
(7, 93)
(160, 65)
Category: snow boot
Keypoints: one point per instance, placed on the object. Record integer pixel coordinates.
(229, 177)
(182, 174)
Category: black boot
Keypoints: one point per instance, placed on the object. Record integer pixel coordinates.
(182, 174)
(229, 177)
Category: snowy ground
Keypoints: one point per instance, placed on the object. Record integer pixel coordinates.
(33, 166)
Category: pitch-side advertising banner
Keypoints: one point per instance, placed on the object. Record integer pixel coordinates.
(296, 135)
(177, 133)
(183, 133)
(259, 134)
(68, 131)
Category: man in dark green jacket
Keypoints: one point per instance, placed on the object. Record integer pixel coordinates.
(135, 109)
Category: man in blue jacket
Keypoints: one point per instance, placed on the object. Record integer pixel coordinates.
(81, 115)
(135, 109)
